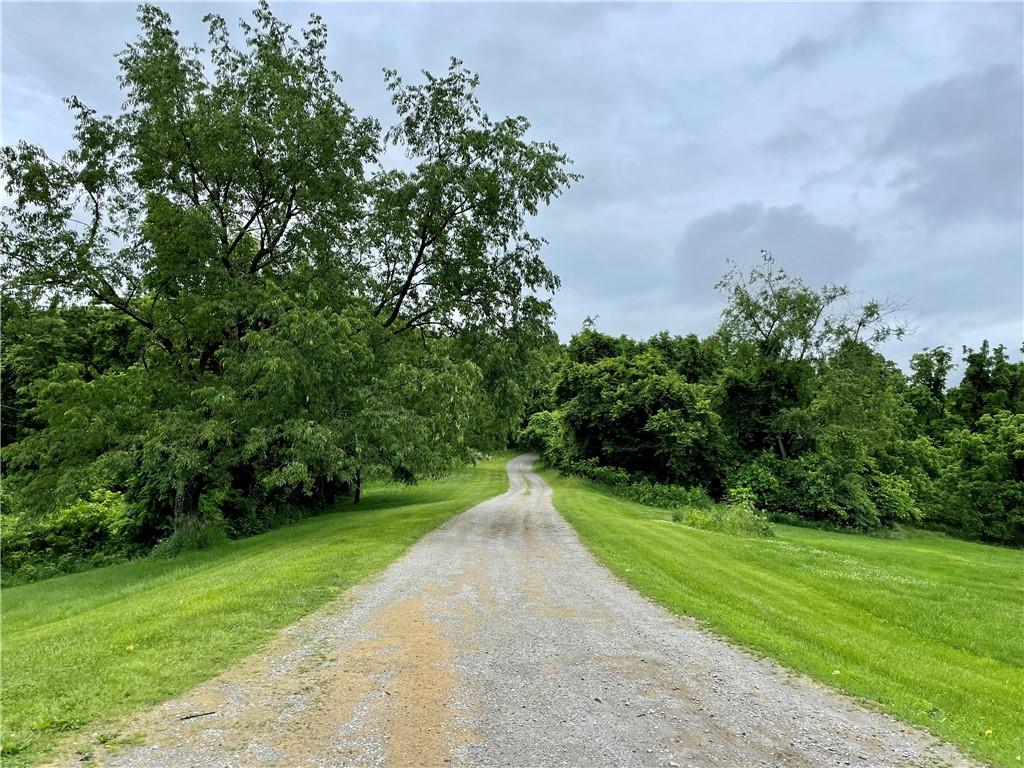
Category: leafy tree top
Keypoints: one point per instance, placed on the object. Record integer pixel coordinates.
(787, 319)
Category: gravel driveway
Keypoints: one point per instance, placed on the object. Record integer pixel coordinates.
(499, 640)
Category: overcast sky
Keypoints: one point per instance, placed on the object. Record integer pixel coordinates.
(874, 145)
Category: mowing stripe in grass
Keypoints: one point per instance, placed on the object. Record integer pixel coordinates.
(927, 628)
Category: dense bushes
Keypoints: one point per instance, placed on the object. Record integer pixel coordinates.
(816, 488)
(640, 489)
(790, 407)
(980, 483)
(90, 532)
(736, 517)
(691, 506)
(637, 413)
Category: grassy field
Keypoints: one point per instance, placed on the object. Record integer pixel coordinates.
(928, 628)
(81, 650)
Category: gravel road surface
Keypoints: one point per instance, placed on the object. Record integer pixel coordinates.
(498, 640)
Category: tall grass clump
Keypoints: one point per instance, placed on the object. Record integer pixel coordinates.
(737, 515)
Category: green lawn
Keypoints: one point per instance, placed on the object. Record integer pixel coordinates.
(83, 649)
(930, 629)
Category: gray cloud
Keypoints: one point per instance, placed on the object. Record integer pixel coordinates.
(810, 51)
(878, 144)
(960, 145)
(802, 244)
(806, 53)
(791, 143)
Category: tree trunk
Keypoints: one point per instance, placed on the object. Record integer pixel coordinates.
(782, 447)
(186, 505)
(358, 489)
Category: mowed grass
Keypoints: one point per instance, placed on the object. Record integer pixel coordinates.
(929, 629)
(81, 651)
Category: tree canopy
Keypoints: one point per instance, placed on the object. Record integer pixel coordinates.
(223, 306)
(233, 300)
(791, 405)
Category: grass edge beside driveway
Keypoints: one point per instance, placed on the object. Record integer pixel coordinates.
(84, 650)
(927, 628)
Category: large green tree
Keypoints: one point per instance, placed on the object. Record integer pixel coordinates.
(634, 410)
(777, 333)
(304, 314)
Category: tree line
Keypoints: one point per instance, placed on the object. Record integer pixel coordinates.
(790, 405)
(223, 307)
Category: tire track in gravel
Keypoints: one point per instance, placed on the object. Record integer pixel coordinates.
(498, 640)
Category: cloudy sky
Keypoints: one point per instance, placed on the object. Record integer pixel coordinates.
(875, 145)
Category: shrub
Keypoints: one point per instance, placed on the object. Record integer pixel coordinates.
(90, 532)
(669, 496)
(980, 492)
(692, 506)
(893, 497)
(614, 477)
(736, 516)
(198, 533)
(639, 489)
(831, 490)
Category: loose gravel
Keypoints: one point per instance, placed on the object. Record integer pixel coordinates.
(498, 640)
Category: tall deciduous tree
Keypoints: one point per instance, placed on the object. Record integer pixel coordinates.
(777, 331)
(306, 314)
(447, 241)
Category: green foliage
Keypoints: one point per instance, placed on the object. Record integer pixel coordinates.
(640, 489)
(758, 397)
(855, 418)
(273, 314)
(824, 489)
(635, 412)
(991, 383)
(667, 496)
(697, 361)
(735, 519)
(783, 317)
(35, 341)
(737, 515)
(926, 391)
(591, 346)
(981, 481)
(193, 533)
(546, 433)
(790, 401)
(516, 368)
(88, 533)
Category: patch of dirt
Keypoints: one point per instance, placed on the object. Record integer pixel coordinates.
(289, 703)
(419, 721)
